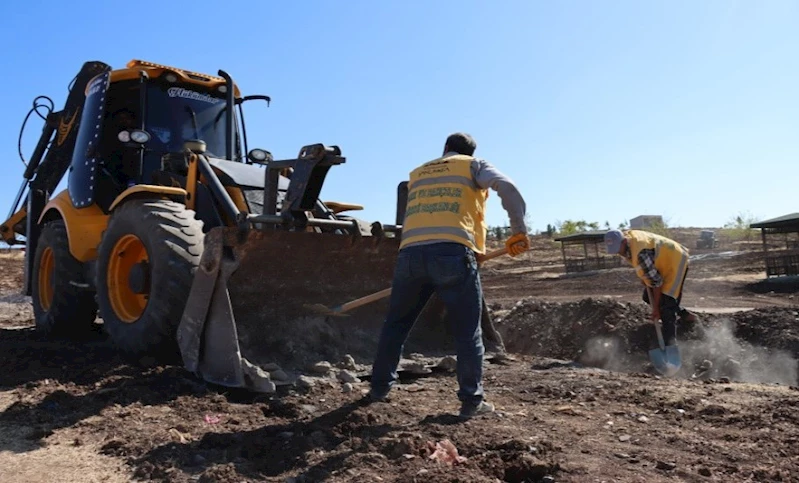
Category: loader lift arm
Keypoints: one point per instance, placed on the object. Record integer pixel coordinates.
(48, 164)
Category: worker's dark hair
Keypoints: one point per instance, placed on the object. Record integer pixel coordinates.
(461, 143)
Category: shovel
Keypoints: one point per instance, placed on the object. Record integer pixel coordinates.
(666, 360)
(341, 309)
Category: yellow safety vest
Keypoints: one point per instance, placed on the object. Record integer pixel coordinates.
(671, 259)
(445, 203)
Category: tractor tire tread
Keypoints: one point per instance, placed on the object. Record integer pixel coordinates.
(174, 242)
(73, 309)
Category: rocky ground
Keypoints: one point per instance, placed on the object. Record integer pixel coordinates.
(580, 402)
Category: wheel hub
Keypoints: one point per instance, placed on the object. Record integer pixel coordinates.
(139, 278)
(128, 278)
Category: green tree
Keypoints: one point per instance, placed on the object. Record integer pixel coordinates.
(737, 227)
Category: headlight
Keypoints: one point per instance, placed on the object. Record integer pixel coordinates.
(124, 136)
(259, 155)
(139, 136)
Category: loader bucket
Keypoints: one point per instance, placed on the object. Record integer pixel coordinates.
(251, 304)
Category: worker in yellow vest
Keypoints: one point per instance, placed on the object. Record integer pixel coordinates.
(662, 266)
(443, 235)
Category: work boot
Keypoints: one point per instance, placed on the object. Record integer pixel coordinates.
(469, 410)
(686, 316)
(375, 396)
(500, 356)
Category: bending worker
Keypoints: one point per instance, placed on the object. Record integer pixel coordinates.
(443, 234)
(662, 266)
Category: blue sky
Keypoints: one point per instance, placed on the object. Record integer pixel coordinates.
(597, 110)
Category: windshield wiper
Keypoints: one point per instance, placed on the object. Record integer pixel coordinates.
(193, 116)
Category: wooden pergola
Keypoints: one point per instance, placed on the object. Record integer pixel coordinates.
(592, 255)
(783, 261)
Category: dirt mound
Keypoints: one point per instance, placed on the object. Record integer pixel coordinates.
(579, 331)
(755, 346)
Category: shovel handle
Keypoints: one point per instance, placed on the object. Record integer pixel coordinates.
(490, 255)
(657, 322)
(660, 336)
(365, 300)
(386, 292)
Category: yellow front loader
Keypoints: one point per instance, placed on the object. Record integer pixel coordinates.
(186, 242)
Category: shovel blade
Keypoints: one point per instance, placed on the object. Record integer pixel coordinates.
(666, 362)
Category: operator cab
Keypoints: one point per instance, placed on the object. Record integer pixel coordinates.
(150, 114)
(173, 115)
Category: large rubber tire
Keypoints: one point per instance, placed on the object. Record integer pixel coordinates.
(63, 303)
(172, 239)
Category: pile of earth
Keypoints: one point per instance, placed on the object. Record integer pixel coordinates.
(754, 346)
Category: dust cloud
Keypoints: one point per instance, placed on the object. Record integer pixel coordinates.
(718, 353)
(609, 353)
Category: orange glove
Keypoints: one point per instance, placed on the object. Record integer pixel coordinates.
(517, 244)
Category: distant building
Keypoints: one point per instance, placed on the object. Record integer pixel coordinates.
(645, 221)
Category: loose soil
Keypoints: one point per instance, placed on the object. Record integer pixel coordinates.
(579, 403)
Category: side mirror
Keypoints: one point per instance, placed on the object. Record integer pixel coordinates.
(260, 156)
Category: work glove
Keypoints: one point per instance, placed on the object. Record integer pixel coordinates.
(517, 244)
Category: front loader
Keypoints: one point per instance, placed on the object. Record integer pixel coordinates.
(185, 241)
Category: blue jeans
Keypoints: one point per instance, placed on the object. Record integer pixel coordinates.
(450, 270)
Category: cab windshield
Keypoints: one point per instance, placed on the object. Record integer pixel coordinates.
(176, 114)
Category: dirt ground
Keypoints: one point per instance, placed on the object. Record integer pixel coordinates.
(580, 402)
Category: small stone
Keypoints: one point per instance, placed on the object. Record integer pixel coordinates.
(347, 376)
(449, 363)
(322, 367)
(724, 380)
(704, 471)
(667, 466)
(623, 456)
(548, 479)
(257, 378)
(346, 388)
(348, 362)
(624, 437)
(305, 382)
(705, 365)
(279, 375)
(416, 368)
(643, 419)
(308, 408)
